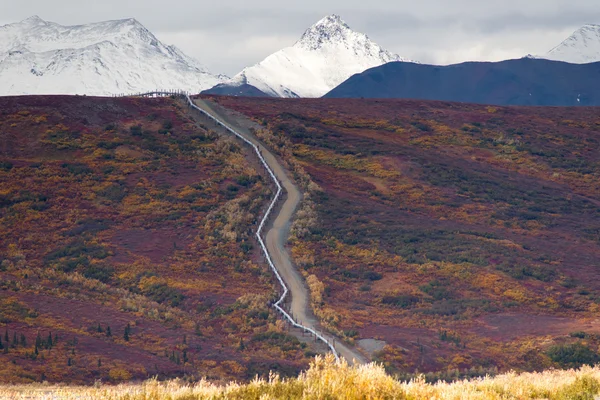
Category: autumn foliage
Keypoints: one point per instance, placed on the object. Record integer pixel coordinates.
(126, 246)
(463, 238)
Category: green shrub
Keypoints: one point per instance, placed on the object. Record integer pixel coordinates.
(136, 130)
(402, 301)
(573, 355)
(579, 334)
(437, 290)
(245, 180)
(78, 169)
(114, 192)
(373, 276)
(103, 273)
(162, 293)
(5, 166)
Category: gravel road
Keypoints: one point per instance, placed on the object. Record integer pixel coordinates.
(278, 232)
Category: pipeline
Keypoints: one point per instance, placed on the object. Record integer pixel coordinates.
(277, 305)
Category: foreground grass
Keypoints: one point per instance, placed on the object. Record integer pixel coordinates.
(327, 379)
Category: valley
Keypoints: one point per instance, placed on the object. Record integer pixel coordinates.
(445, 238)
(335, 220)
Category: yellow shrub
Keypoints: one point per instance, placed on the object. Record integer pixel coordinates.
(119, 374)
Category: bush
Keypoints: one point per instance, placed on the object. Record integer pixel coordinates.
(282, 340)
(573, 355)
(77, 249)
(246, 247)
(109, 145)
(5, 166)
(87, 226)
(456, 307)
(580, 335)
(136, 130)
(352, 333)
(402, 301)
(113, 192)
(373, 276)
(103, 273)
(421, 126)
(245, 180)
(437, 290)
(78, 169)
(119, 374)
(162, 293)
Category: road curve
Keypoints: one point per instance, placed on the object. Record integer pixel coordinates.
(278, 234)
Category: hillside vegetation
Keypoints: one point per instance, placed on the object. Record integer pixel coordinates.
(126, 247)
(463, 239)
(329, 380)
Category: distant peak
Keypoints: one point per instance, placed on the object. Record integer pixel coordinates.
(586, 30)
(34, 19)
(332, 19)
(125, 22)
(327, 30)
(129, 25)
(131, 21)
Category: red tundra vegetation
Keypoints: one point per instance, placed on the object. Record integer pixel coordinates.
(126, 247)
(464, 239)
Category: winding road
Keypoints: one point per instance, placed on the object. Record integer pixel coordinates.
(278, 233)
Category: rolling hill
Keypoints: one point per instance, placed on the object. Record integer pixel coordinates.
(126, 247)
(443, 237)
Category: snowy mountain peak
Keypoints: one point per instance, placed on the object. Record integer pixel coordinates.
(102, 58)
(582, 47)
(34, 19)
(327, 54)
(330, 29)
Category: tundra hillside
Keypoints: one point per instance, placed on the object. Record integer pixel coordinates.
(126, 247)
(447, 238)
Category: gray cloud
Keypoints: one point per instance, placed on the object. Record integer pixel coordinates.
(228, 36)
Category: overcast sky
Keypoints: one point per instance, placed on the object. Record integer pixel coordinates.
(229, 35)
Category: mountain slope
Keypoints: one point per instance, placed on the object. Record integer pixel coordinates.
(104, 58)
(327, 53)
(434, 215)
(525, 81)
(583, 46)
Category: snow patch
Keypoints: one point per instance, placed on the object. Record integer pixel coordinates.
(582, 47)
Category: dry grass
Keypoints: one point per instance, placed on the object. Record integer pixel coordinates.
(327, 379)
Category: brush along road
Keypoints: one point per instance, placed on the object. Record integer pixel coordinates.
(278, 233)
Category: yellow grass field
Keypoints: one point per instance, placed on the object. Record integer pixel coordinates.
(326, 379)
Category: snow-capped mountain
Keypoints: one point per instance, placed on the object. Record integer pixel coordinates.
(328, 53)
(582, 47)
(104, 58)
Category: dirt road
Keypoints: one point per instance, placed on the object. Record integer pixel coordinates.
(278, 233)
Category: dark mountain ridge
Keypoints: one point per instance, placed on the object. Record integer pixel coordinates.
(525, 81)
